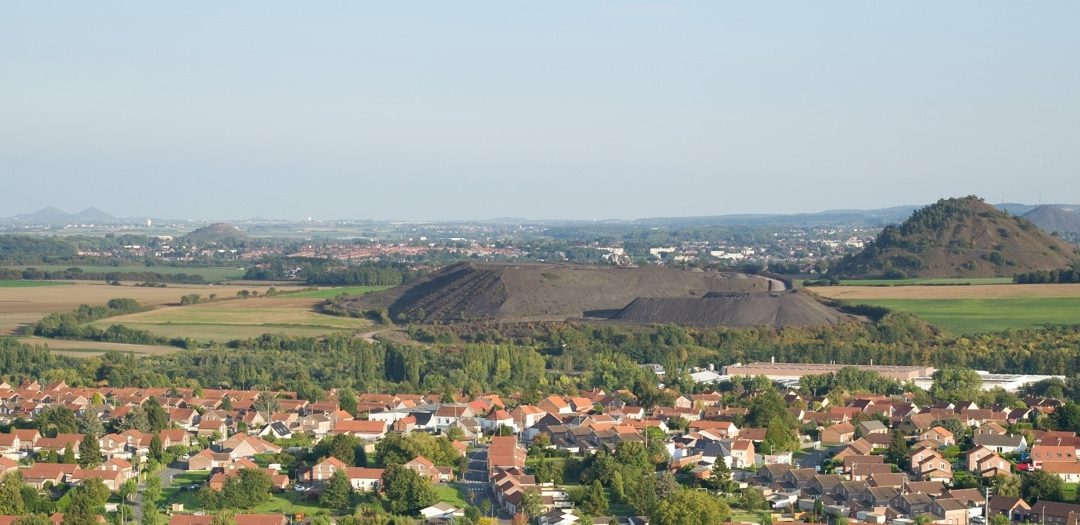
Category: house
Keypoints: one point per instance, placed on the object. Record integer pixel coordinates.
(721, 429)
(1001, 443)
(121, 466)
(505, 453)
(443, 511)
(895, 480)
(210, 427)
(933, 488)
(930, 465)
(324, 469)
(1051, 512)
(526, 416)
(364, 479)
(991, 427)
(509, 486)
(245, 446)
(174, 437)
(60, 443)
(361, 428)
(498, 419)
(873, 426)
(317, 424)
(185, 418)
(987, 463)
(555, 405)
(425, 468)
(7, 465)
(1055, 453)
(864, 471)
(838, 433)
(111, 478)
(1068, 471)
(949, 511)
(850, 461)
(276, 430)
(361, 479)
(914, 503)
(939, 436)
(448, 415)
(742, 453)
(39, 475)
(1014, 508)
(207, 459)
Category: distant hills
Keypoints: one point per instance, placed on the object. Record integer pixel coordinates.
(959, 237)
(1053, 219)
(55, 216)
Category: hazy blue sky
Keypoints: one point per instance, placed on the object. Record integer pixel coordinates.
(576, 109)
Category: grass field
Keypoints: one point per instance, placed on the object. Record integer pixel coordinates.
(964, 316)
(175, 492)
(30, 284)
(288, 502)
(240, 319)
(212, 274)
(450, 494)
(975, 291)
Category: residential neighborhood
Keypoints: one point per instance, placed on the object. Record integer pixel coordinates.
(864, 458)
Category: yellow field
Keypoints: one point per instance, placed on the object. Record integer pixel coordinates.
(239, 319)
(991, 291)
(22, 306)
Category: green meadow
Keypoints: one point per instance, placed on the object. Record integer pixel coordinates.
(966, 316)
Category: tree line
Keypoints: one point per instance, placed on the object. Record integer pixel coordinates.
(75, 273)
(1063, 275)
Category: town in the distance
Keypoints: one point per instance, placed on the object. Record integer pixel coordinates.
(905, 366)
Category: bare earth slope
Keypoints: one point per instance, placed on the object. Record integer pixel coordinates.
(472, 291)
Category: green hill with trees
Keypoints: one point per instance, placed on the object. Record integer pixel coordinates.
(958, 237)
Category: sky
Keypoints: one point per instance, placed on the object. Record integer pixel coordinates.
(546, 110)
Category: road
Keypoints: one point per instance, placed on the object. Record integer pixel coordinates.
(476, 478)
(165, 476)
(814, 458)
